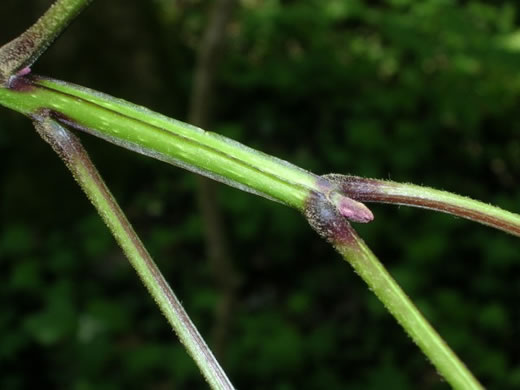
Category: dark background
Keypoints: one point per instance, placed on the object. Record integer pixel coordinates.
(417, 91)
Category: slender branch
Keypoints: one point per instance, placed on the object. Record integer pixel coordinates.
(19, 54)
(326, 220)
(383, 191)
(69, 148)
(152, 134)
(326, 201)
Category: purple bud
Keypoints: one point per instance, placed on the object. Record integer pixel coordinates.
(24, 71)
(347, 207)
(352, 210)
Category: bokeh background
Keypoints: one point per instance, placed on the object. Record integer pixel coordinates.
(423, 91)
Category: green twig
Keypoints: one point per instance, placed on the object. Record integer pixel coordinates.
(384, 191)
(325, 201)
(68, 147)
(155, 135)
(326, 220)
(160, 137)
(17, 55)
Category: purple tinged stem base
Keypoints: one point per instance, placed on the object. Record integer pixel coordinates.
(383, 191)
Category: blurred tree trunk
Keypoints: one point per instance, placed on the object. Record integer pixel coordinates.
(218, 251)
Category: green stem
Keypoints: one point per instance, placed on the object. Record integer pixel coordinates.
(155, 135)
(68, 147)
(326, 220)
(23, 51)
(383, 191)
(406, 313)
(147, 132)
(325, 201)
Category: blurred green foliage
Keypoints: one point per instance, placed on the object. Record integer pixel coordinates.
(419, 91)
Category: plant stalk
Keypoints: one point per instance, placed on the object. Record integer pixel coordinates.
(385, 287)
(384, 191)
(70, 150)
(146, 132)
(325, 219)
(152, 134)
(19, 54)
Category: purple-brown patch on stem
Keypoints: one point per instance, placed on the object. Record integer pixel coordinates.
(327, 221)
(357, 188)
(21, 84)
(373, 190)
(349, 208)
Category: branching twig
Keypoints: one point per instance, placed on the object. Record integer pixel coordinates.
(332, 226)
(327, 202)
(19, 54)
(384, 191)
